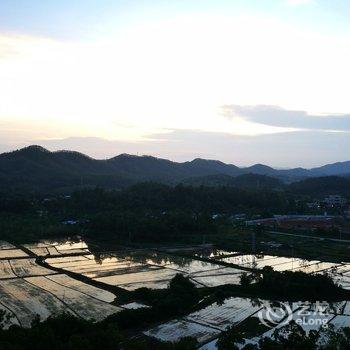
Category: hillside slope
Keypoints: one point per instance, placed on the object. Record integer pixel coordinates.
(36, 168)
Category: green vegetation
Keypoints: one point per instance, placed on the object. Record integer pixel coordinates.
(273, 285)
(322, 186)
(66, 332)
(292, 336)
(152, 213)
(179, 299)
(270, 285)
(253, 181)
(31, 227)
(201, 210)
(296, 285)
(236, 334)
(144, 212)
(115, 332)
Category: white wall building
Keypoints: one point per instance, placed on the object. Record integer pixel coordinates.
(335, 201)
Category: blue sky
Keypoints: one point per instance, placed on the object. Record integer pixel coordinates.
(141, 76)
(81, 18)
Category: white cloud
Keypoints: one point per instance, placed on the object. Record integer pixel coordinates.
(279, 117)
(170, 74)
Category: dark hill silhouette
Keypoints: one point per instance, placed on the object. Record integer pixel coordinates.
(207, 166)
(339, 168)
(36, 168)
(261, 169)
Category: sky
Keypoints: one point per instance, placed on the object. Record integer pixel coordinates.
(243, 81)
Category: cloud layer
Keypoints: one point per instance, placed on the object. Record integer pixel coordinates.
(290, 149)
(279, 117)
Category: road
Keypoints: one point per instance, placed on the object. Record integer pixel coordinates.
(311, 237)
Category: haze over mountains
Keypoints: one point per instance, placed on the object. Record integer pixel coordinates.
(37, 168)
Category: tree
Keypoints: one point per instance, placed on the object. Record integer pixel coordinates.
(245, 280)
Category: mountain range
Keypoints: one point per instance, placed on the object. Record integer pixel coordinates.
(37, 168)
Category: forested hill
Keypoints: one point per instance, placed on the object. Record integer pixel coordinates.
(253, 181)
(35, 168)
(39, 169)
(322, 186)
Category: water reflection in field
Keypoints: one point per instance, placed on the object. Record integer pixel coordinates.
(27, 287)
(140, 268)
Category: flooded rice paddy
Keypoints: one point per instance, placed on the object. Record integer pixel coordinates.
(138, 269)
(28, 289)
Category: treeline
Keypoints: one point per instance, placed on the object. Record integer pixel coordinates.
(147, 211)
(156, 212)
(321, 186)
(153, 196)
(292, 285)
(66, 332)
(158, 197)
(16, 202)
(292, 336)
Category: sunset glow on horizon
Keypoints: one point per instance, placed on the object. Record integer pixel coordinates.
(135, 80)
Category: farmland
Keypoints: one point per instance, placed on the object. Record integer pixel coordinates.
(140, 269)
(207, 322)
(28, 290)
(76, 280)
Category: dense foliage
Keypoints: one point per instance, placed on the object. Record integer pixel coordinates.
(322, 186)
(157, 197)
(65, 332)
(177, 300)
(147, 211)
(253, 181)
(292, 285)
(292, 337)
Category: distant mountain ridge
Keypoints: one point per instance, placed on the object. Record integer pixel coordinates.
(37, 168)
